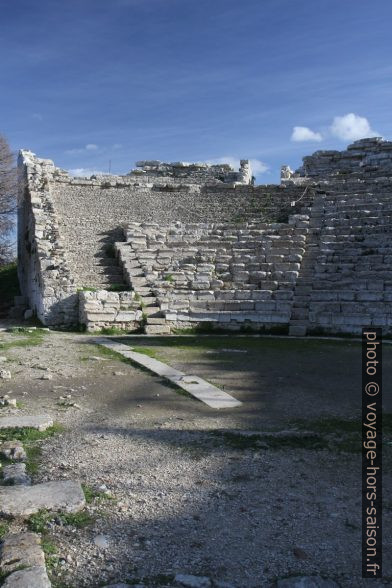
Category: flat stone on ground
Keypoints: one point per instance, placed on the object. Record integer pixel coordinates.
(35, 577)
(39, 422)
(194, 385)
(21, 549)
(193, 581)
(23, 501)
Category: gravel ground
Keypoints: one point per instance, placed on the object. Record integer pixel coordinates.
(180, 491)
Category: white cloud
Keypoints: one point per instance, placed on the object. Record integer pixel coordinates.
(352, 127)
(305, 134)
(89, 147)
(258, 167)
(38, 116)
(85, 172)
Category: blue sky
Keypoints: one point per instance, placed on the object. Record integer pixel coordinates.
(88, 81)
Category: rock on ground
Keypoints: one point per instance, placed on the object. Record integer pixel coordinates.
(21, 549)
(35, 577)
(23, 501)
(39, 422)
(193, 581)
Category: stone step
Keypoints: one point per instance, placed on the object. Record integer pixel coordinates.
(23, 501)
(23, 550)
(156, 321)
(39, 422)
(157, 329)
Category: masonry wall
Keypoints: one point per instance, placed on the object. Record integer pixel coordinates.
(331, 274)
(91, 215)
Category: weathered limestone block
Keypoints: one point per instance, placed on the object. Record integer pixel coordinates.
(23, 501)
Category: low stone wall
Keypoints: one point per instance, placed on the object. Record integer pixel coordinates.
(103, 309)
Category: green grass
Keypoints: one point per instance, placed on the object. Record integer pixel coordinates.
(28, 338)
(87, 289)
(9, 284)
(146, 351)
(28, 435)
(91, 494)
(39, 522)
(4, 528)
(29, 438)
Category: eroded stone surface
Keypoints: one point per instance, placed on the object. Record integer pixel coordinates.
(23, 501)
(35, 577)
(21, 549)
(39, 422)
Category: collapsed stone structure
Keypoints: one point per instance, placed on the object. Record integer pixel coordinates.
(178, 245)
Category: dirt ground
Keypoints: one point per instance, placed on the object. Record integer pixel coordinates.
(245, 496)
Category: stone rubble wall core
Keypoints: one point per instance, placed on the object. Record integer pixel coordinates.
(181, 245)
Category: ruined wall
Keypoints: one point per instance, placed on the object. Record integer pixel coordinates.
(313, 257)
(364, 158)
(158, 172)
(91, 215)
(45, 278)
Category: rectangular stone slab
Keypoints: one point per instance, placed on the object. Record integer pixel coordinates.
(23, 501)
(199, 388)
(35, 577)
(39, 422)
(21, 549)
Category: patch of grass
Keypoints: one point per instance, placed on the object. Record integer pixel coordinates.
(28, 435)
(30, 337)
(50, 551)
(146, 351)
(169, 278)
(39, 522)
(4, 528)
(87, 289)
(91, 494)
(29, 438)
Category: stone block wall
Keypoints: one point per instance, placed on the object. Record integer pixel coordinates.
(104, 309)
(313, 257)
(229, 275)
(365, 158)
(158, 172)
(45, 278)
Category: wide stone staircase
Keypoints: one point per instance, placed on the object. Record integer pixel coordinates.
(90, 253)
(231, 274)
(346, 274)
